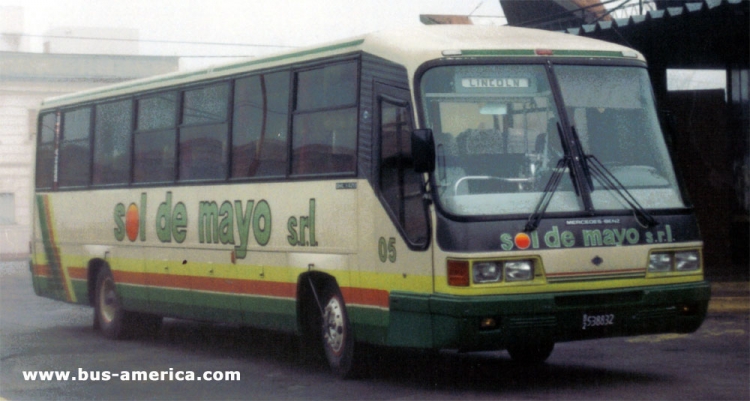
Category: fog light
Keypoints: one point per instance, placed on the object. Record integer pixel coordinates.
(487, 272)
(519, 270)
(687, 261)
(488, 323)
(659, 262)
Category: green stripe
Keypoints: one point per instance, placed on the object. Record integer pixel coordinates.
(292, 55)
(175, 78)
(527, 52)
(485, 53)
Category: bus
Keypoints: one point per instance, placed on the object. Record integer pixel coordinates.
(437, 187)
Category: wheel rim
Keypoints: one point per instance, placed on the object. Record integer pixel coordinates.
(333, 325)
(108, 301)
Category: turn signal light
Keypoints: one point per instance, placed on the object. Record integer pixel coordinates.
(458, 273)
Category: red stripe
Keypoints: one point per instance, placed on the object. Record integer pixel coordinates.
(42, 271)
(365, 296)
(354, 296)
(77, 273)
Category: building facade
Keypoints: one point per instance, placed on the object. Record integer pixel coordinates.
(25, 80)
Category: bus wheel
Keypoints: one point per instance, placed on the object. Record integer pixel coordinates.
(336, 332)
(533, 353)
(109, 316)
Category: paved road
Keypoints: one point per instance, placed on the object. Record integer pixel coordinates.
(38, 334)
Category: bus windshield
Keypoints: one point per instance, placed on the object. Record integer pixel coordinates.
(498, 131)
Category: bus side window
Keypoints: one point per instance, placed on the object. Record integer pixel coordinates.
(259, 131)
(203, 133)
(45, 152)
(324, 134)
(154, 140)
(75, 149)
(112, 142)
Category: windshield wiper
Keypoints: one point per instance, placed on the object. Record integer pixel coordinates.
(608, 180)
(549, 190)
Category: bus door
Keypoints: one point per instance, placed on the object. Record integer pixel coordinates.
(399, 260)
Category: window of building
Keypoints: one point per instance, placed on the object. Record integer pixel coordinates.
(325, 120)
(112, 142)
(7, 209)
(75, 149)
(259, 147)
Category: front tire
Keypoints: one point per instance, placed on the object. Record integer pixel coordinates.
(533, 353)
(336, 333)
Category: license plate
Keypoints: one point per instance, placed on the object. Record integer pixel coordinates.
(591, 321)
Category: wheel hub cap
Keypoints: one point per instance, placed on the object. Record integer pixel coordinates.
(333, 325)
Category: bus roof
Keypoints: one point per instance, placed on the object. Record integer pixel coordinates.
(410, 47)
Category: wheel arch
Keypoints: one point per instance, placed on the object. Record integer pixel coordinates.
(307, 305)
(92, 272)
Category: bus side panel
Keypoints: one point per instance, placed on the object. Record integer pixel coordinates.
(385, 265)
(55, 274)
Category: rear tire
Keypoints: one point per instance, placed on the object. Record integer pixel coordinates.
(109, 316)
(111, 319)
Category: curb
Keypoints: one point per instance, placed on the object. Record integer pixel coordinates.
(730, 297)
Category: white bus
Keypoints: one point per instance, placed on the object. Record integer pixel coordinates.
(439, 187)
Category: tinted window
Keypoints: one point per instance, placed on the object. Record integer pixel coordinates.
(203, 147)
(154, 143)
(154, 156)
(75, 147)
(45, 152)
(205, 105)
(330, 86)
(325, 121)
(260, 126)
(400, 185)
(157, 111)
(325, 142)
(112, 142)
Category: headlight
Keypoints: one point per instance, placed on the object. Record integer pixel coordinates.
(488, 272)
(660, 262)
(687, 261)
(519, 270)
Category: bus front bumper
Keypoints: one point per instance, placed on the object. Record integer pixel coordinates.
(476, 323)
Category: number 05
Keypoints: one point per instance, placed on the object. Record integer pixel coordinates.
(387, 251)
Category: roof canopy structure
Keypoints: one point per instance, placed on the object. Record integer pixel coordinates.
(703, 34)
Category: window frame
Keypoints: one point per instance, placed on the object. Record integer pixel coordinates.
(387, 93)
(130, 140)
(182, 125)
(137, 99)
(54, 143)
(354, 106)
(179, 90)
(285, 174)
(60, 141)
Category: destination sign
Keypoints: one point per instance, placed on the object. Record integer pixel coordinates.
(495, 82)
